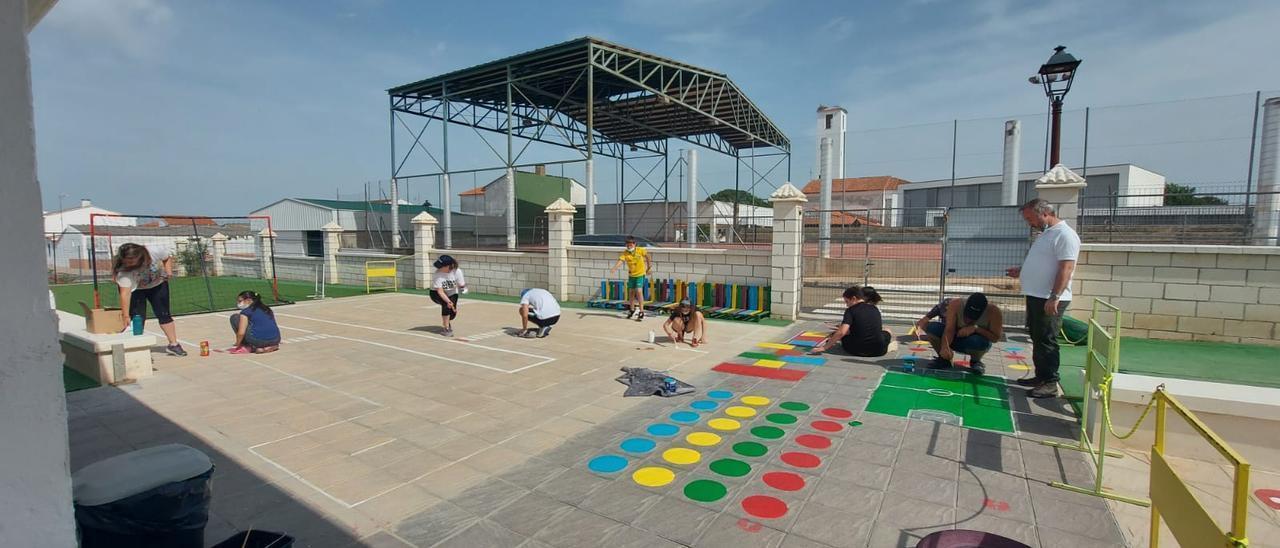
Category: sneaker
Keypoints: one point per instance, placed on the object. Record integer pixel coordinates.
(529, 333)
(1030, 381)
(1046, 390)
(631, 313)
(977, 368)
(447, 332)
(239, 350)
(543, 332)
(175, 350)
(640, 315)
(939, 363)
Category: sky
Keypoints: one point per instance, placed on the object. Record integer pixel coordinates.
(219, 108)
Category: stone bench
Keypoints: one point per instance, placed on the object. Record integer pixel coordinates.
(108, 358)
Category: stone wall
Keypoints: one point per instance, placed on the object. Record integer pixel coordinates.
(1184, 292)
(588, 265)
(351, 266)
(291, 267)
(247, 267)
(500, 272)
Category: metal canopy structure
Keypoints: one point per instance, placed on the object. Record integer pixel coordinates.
(592, 96)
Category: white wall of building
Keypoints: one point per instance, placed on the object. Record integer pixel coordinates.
(56, 221)
(35, 481)
(1135, 180)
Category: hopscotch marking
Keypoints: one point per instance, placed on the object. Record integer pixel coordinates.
(482, 336)
(543, 360)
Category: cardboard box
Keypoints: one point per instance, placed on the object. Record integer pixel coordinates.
(102, 320)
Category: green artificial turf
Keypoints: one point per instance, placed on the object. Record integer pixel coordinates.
(190, 295)
(72, 380)
(1233, 363)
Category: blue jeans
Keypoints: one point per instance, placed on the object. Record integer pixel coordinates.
(973, 344)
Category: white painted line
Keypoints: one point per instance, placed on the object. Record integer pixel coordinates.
(314, 383)
(939, 390)
(295, 476)
(439, 357)
(294, 328)
(434, 470)
(372, 447)
(425, 336)
(682, 349)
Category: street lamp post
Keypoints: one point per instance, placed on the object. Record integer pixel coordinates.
(1056, 76)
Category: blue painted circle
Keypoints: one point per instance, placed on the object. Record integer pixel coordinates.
(684, 416)
(720, 394)
(704, 405)
(607, 464)
(1014, 349)
(637, 445)
(662, 429)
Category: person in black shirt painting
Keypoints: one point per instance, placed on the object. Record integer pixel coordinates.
(861, 332)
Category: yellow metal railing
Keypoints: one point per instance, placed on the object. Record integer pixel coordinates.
(1102, 361)
(1171, 499)
(381, 276)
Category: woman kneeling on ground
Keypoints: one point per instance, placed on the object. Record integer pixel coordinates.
(861, 332)
(254, 325)
(686, 318)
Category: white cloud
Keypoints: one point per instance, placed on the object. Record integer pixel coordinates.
(134, 27)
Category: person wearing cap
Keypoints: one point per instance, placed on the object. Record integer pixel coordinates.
(446, 283)
(968, 326)
(686, 318)
(540, 307)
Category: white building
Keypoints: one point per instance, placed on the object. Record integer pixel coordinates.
(57, 221)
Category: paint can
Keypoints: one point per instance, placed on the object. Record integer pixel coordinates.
(669, 385)
(204, 348)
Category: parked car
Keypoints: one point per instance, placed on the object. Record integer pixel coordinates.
(610, 240)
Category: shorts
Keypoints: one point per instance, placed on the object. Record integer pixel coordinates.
(636, 282)
(444, 309)
(964, 345)
(547, 322)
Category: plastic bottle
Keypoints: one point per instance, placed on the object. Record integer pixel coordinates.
(651, 336)
(908, 364)
(137, 324)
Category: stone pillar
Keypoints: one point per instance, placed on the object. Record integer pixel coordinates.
(1062, 187)
(332, 242)
(559, 235)
(219, 249)
(788, 241)
(266, 251)
(424, 240)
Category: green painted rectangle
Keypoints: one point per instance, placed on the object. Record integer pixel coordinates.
(758, 356)
(980, 401)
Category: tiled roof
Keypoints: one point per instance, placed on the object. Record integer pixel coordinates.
(841, 218)
(856, 184)
(478, 191)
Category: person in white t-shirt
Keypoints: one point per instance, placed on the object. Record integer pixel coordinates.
(142, 273)
(446, 284)
(1045, 276)
(540, 307)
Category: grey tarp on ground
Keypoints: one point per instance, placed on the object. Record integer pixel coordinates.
(647, 382)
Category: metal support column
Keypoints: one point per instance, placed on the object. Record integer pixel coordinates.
(691, 195)
(591, 124)
(446, 190)
(395, 209)
(511, 172)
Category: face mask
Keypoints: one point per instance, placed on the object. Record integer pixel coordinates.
(242, 306)
(631, 248)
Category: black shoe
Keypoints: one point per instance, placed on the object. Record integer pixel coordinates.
(1030, 381)
(1046, 390)
(977, 368)
(640, 316)
(939, 363)
(631, 313)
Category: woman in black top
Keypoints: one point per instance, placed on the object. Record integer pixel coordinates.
(861, 332)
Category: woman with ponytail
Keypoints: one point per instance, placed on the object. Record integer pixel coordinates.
(254, 325)
(861, 332)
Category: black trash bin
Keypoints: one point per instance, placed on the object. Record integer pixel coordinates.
(158, 496)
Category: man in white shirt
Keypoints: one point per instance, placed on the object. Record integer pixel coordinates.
(1045, 276)
(540, 307)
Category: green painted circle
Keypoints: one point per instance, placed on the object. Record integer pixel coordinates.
(733, 468)
(768, 432)
(705, 490)
(855, 423)
(780, 418)
(750, 448)
(794, 406)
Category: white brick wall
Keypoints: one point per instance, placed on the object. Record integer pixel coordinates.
(297, 268)
(241, 266)
(501, 272)
(1177, 292)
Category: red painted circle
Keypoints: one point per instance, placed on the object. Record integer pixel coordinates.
(920, 349)
(801, 460)
(826, 426)
(814, 441)
(837, 413)
(765, 507)
(784, 481)
(1269, 497)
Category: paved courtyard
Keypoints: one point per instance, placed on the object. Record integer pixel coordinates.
(369, 429)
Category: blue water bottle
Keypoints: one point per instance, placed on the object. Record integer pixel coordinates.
(137, 325)
(908, 364)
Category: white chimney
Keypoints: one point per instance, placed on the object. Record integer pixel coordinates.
(831, 126)
(1266, 221)
(84, 202)
(1009, 173)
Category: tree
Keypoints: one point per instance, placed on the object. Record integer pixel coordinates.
(744, 197)
(1184, 195)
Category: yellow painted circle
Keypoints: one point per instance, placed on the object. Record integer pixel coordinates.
(724, 424)
(919, 343)
(740, 412)
(680, 455)
(653, 476)
(755, 400)
(1019, 366)
(702, 439)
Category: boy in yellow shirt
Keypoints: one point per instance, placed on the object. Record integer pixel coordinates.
(638, 267)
